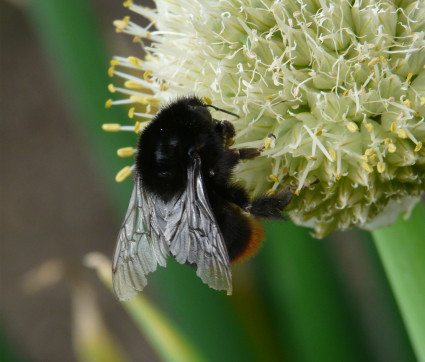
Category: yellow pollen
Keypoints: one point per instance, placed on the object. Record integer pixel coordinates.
(387, 141)
(367, 167)
(108, 103)
(137, 127)
(418, 146)
(402, 133)
(207, 100)
(111, 71)
(123, 174)
(297, 192)
(409, 77)
(338, 177)
(127, 3)
(373, 157)
(131, 112)
(392, 148)
(126, 152)
(148, 35)
(382, 59)
(312, 158)
(319, 131)
(146, 76)
(111, 88)
(114, 62)
(333, 154)
(352, 127)
(393, 127)
(407, 103)
(369, 127)
(380, 167)
(364, 158)
(149, 57)
(120, 25)
(111, 127)
(135, 61)
(268, 98)
(373, 62)
(369, 152)
(269, 141)
(136, 39)
(132, 84)
(144, 100)
(346, 93)
(274, 178)
(163, 87)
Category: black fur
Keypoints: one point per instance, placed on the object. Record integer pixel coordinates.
(185, 127)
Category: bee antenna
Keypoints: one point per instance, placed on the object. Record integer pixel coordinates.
(221, 110)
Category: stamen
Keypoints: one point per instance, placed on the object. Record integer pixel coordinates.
(112, 89)
(274, 178)
(270, 141)
(304, 177)
(320, 144)
(131, 84)
(116, 127)
(352, 127)
(124, 173)
(144, 100)
(126, 152)
(402, 133)
(146, 76)
(392, 148)
(136, 61)
(207, 100)
(111, 127)
(380, 167)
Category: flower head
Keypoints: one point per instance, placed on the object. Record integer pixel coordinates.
(331, 90)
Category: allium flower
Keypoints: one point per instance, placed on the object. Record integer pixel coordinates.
(333, 91)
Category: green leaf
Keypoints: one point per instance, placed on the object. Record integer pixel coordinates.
(402, 250)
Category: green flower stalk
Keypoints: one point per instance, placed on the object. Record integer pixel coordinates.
(331, 90)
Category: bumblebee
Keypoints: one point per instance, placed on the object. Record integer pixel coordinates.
(184, 203)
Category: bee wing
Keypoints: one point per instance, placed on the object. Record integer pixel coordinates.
(194, 234)
(140, 246)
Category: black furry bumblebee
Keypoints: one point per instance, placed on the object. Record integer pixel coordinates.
(184, 203)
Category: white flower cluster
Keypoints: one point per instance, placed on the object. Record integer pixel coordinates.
(333, 90)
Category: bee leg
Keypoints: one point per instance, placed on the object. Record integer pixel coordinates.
(271, 207)
(248, 153)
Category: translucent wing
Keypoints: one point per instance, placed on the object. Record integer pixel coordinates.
(140, 246)
(192, 233)
(184, 227)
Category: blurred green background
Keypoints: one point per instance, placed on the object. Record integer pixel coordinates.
(299, 299)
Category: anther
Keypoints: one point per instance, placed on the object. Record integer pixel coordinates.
(352, 127)
(108, 103)
(126, 152)
(111, 127)
(123, 174)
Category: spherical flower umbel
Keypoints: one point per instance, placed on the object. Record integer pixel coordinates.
(333, 91)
